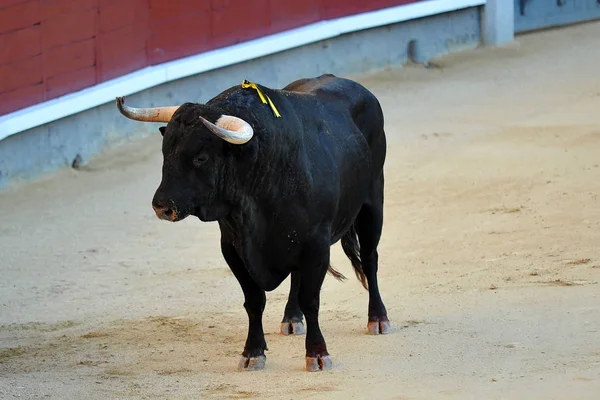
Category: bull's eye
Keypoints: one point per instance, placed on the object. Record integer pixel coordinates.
(201, 159)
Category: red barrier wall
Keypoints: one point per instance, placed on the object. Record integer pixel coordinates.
(49, 48)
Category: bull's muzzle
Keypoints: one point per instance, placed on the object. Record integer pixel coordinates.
(164, 212)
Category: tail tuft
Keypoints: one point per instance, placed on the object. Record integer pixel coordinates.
(336, 274)
(352, 249)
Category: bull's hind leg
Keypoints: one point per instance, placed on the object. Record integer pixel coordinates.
(253, 356)
(292, 316)
(315, 264)
(369, 224)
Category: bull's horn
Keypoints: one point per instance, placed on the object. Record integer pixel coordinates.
(231, 129)
(158, 114)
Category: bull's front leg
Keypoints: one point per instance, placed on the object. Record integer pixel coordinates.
(292, 317)
(253, 356)
(314, 268)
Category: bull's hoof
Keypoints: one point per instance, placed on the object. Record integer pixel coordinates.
(378, 327)
(252, 363)
(318, 363)
(292, 328)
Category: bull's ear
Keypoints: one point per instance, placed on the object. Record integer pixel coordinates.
(162, 130)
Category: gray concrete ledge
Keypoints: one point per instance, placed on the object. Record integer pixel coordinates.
(42, 150)
(531, 15)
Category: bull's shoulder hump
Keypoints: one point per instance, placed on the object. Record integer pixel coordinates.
(307, 85)
(330, 86)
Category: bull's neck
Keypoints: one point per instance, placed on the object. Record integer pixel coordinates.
(266, 178)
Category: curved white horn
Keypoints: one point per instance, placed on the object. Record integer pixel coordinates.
(158, 114)
(231, 129)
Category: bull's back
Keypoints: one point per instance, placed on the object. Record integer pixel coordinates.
(362, 107)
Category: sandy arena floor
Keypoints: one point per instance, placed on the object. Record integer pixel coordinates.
(490, 257)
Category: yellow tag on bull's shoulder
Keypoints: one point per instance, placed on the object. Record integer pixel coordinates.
(250, 85)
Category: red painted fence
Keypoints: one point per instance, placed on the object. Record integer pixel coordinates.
(49, 48)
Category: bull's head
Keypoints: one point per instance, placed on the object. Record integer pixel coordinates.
(194, 161)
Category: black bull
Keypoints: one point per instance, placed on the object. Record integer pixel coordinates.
(283, 190)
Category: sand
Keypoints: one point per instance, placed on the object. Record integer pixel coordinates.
(489, 261)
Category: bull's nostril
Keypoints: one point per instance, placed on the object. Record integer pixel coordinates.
(163, 211)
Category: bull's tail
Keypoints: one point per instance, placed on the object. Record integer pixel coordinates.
(352, 249)
(336, 274)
